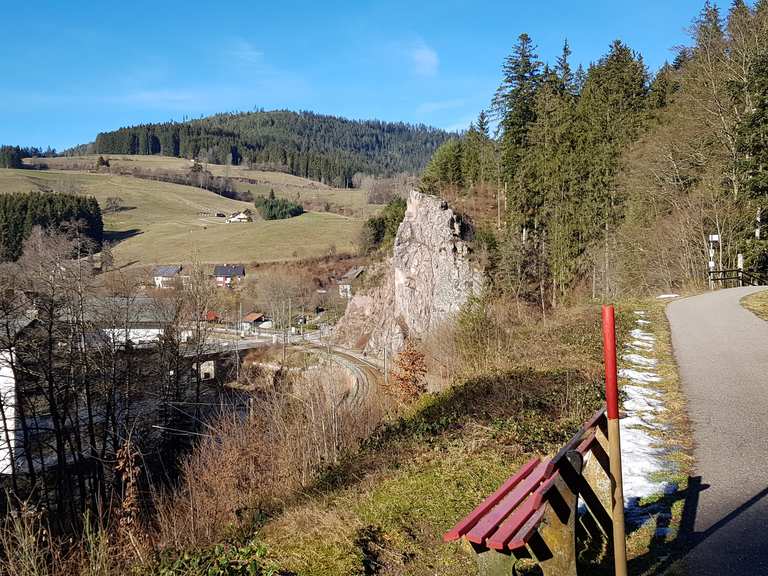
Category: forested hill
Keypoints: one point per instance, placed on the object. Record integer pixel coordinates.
(325, 148)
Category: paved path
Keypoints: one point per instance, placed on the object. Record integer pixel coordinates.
(722, 353)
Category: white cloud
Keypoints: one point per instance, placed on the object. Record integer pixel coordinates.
(439, 105)
(245, 52)
(424, 59)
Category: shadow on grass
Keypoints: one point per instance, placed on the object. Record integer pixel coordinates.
(115, 236)
(119, 209)
(509, 408)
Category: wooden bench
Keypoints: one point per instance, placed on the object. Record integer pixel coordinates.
(533, 514)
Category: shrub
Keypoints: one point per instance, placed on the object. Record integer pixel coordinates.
(410, 370)
(221, 560)
(380, 231)
(272, 208)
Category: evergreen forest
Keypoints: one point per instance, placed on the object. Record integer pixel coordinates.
(328, 149)
(57, 212)
(612, 178)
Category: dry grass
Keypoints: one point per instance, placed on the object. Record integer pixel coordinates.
(313, 194)
(127, 162)
(161, 222)
(521, 387)
(757, 303)
(249, 466)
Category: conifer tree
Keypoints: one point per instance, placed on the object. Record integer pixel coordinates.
(753, 135)
(563, 69)
(514, 102)
(482, 124)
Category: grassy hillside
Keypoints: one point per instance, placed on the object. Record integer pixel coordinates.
(161, 222)
(258, 182)
(384, 509)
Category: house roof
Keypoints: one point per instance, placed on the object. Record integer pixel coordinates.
(229, 270)
(351, 274)
(168, 271)
(253, 317)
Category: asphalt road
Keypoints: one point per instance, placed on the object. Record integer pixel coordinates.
(722, 354)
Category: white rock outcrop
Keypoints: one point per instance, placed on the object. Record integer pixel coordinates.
(428, 279)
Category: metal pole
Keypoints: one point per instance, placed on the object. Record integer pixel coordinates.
(614, 442)
(740, 266)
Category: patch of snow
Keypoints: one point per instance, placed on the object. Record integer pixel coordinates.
(640, 313)
(646, 392)
(640, 459)
(638, 334)
(642, 405)
(640, 360)
(638, 376)
(642, 455)
(640, 346)
(665, 296)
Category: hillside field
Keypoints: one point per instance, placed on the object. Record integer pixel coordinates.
(162, 222)
(258, 182)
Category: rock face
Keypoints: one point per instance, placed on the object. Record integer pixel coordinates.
(429, 278)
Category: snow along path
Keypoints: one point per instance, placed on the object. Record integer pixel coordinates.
(722, 354)
(642, 456)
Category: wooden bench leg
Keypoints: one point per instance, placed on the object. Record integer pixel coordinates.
(558, 530)
(493, 563)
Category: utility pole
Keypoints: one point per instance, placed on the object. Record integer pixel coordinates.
(498, 208)
(386, 378)
(283, 307)
(505, 197)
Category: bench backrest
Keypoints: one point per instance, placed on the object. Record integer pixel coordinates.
(508, 518)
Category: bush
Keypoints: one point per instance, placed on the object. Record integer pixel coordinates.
(272, 208)
(380, 231)
(221, 560)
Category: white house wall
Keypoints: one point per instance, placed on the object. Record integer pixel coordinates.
(8, 399)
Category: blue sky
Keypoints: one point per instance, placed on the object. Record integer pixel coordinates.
(72, 69)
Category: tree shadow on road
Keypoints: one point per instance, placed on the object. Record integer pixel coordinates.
(664, 554)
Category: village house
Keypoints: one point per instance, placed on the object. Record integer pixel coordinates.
(126, 333)
(166, 276)
(228, 275)
(347, 281)
(251, 322)
(240, 217)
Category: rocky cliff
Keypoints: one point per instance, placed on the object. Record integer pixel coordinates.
(428, 278)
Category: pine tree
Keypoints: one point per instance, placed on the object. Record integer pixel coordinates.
(662, 88)
(753, 135)
(445, 168)
(471, 158)
(563, 69)
(514, 104)
(482, 124)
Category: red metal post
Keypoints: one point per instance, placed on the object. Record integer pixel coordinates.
(614, 441)
(609, 353)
